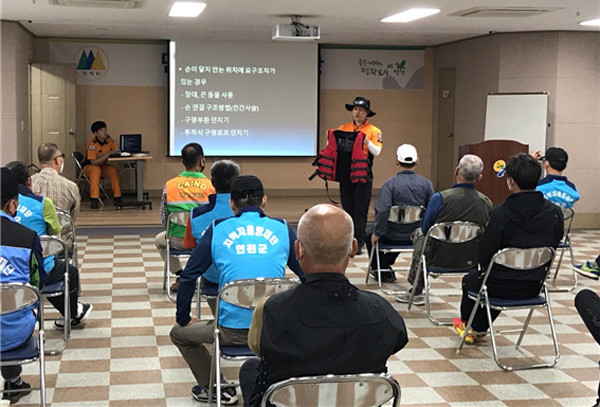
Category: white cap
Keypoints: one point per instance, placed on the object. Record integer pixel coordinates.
(407, 154)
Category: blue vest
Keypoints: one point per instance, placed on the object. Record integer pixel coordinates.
(31, 214)
(559, 191)
(16, 327)
(202, 216)
(248, 246)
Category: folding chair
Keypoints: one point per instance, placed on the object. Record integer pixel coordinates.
(23, 297)
(458, 238)
(565, 244)
(360, 390)
(67, 234)
(406, 216)
(206, 291)
(244, 294)
(177, 218)
(516, 260)
(82, 180)
(53, 246)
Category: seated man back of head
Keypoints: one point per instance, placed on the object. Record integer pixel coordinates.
(38, 214)
(182, 193)
(48, 182)
(524, 220)
(462, 202)
(555, 186)
(325, 325)
(21, 262)
(245, 246)
(406, 188)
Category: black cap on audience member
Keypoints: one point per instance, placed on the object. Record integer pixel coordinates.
(10, 185)
(246, 186)
(556, 157)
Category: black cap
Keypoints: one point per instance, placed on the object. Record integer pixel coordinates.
(556, 157)
(246, 186)
(10, 184)
(361, 101)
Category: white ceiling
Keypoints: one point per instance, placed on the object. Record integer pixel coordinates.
(353, 22)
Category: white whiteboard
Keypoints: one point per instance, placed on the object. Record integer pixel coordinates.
(519, 117)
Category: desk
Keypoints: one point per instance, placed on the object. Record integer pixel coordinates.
(138, 165)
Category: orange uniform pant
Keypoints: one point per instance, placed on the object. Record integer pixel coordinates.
(94, 172)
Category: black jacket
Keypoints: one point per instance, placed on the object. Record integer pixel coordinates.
(523, 220)
(326, 326)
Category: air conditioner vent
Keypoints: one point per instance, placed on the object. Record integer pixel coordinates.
(113, 4)
(504, 11)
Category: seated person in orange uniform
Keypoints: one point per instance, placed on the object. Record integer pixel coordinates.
(99, 148)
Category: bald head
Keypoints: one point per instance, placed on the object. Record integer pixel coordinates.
(325, 237)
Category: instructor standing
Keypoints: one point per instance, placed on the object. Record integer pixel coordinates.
(356, 197)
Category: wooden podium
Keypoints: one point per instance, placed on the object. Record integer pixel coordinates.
(495, 154)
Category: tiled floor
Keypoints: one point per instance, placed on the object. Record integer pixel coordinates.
(123, 356)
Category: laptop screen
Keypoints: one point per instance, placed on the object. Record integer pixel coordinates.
(131, 143)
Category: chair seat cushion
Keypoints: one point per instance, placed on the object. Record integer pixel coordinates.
(563, 245)
(54, 287)
(29, 350)
(236, 351)
(180, 252)
(389, 247)
(501, 302)
(435, 270)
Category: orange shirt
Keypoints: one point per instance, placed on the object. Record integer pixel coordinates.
(373, 133)
(95, 149)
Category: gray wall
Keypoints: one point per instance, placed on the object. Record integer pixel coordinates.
(16, 51)
(565, 64)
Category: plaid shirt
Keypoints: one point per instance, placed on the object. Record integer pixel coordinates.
(63, 192)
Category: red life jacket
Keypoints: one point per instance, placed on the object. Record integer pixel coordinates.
(327, 162)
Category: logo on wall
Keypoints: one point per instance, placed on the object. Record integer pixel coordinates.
(92, 63)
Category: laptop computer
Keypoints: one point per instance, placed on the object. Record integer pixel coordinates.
(131, 143)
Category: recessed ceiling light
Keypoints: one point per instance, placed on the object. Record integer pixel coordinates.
(595, 22)
(186, 9)
(410, 15)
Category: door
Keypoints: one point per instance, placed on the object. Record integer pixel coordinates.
(53, 90)
(445, 141)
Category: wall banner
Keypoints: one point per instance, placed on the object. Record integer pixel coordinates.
(372, 68)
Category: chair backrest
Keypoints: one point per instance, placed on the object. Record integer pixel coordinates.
(452, 245)
(362, 390)
(68, 226)
(178, 218)
(568, 216)
(249, 292)
(517, 261)
(17, 296)
(523, 259)
(406, 214)
(52, 245)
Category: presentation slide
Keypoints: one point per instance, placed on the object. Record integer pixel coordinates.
(244, 99)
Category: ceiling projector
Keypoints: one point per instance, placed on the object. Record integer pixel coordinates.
(296, 31)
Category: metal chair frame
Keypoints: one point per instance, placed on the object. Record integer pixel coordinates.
(401, 214)
(83, 179)
(15, 297)
(358, 390)
(448, 232)
(515, 259)
(565, 244)
(53, 246)
(178, 218)
(66, 221)
(247, 293)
